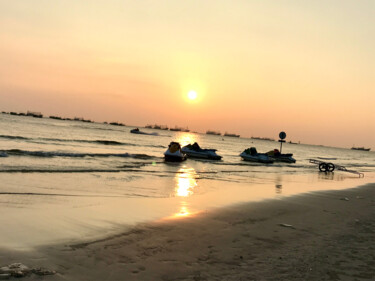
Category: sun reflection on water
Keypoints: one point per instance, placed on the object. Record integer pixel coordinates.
(185, 182)
(185, 187)
(184, 211)
(187, 138)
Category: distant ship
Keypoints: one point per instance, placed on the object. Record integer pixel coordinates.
(157, 127)
(179, 129)
(259, 138)
(55, 117)
(164, 127)
(231, 135)
(116, 124)
(34, 114)
(361, 148)
(213, 133)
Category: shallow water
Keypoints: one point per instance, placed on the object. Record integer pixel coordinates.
(64, 180)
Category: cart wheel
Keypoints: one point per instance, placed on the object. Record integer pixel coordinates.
(330, 167)
(323, 167)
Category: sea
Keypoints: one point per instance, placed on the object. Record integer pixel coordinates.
(66, 180)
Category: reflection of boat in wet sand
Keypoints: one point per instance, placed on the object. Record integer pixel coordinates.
(281, 157)
(251, 154)
(361, 148)
(174, 153)
(195, 151)
(137, 131)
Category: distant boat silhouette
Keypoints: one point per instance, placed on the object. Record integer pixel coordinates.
(209, 132)
(260, 138)
(361, 148)
(231, 135)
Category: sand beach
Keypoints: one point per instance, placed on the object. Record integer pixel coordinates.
(322, 235)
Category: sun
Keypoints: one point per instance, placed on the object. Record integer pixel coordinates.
(192, 95)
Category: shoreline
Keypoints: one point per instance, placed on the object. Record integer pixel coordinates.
(322, 235)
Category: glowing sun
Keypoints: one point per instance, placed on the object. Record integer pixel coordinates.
(192, 95)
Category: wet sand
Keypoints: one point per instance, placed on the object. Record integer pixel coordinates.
(327, 235)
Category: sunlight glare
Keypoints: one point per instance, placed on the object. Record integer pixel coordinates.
(186, 182)
(185, 138)
(192, 95)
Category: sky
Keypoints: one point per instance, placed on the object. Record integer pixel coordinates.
(258, 67)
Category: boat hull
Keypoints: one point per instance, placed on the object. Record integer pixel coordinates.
(361, 148)
(173, 158)
(285, 159)
(259, 158)
(205, 154)
(176, 156)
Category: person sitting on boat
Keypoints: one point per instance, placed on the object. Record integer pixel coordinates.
(253, 151)
(174, 146)
(195, 146)
(274, 152)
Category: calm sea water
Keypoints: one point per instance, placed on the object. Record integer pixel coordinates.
(98, 172)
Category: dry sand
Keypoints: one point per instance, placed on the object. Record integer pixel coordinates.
(326, 235)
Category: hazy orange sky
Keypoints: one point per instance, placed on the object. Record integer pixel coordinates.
(259, 67)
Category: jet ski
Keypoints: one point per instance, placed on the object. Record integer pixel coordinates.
(137, 131)
(174, 153)
(251, 154)
(195, 151)
(281, 157)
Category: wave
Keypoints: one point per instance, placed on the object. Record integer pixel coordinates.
(49, 154)
(67, 171)
(14, 137)
(56, 194)
(103, 142)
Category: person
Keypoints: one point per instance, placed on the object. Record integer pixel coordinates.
(196, 146)
(253, 151)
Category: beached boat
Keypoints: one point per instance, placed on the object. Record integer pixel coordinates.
(251, 154)
(361, 148)
(174, 153)
(281, 157)
(195, 151)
